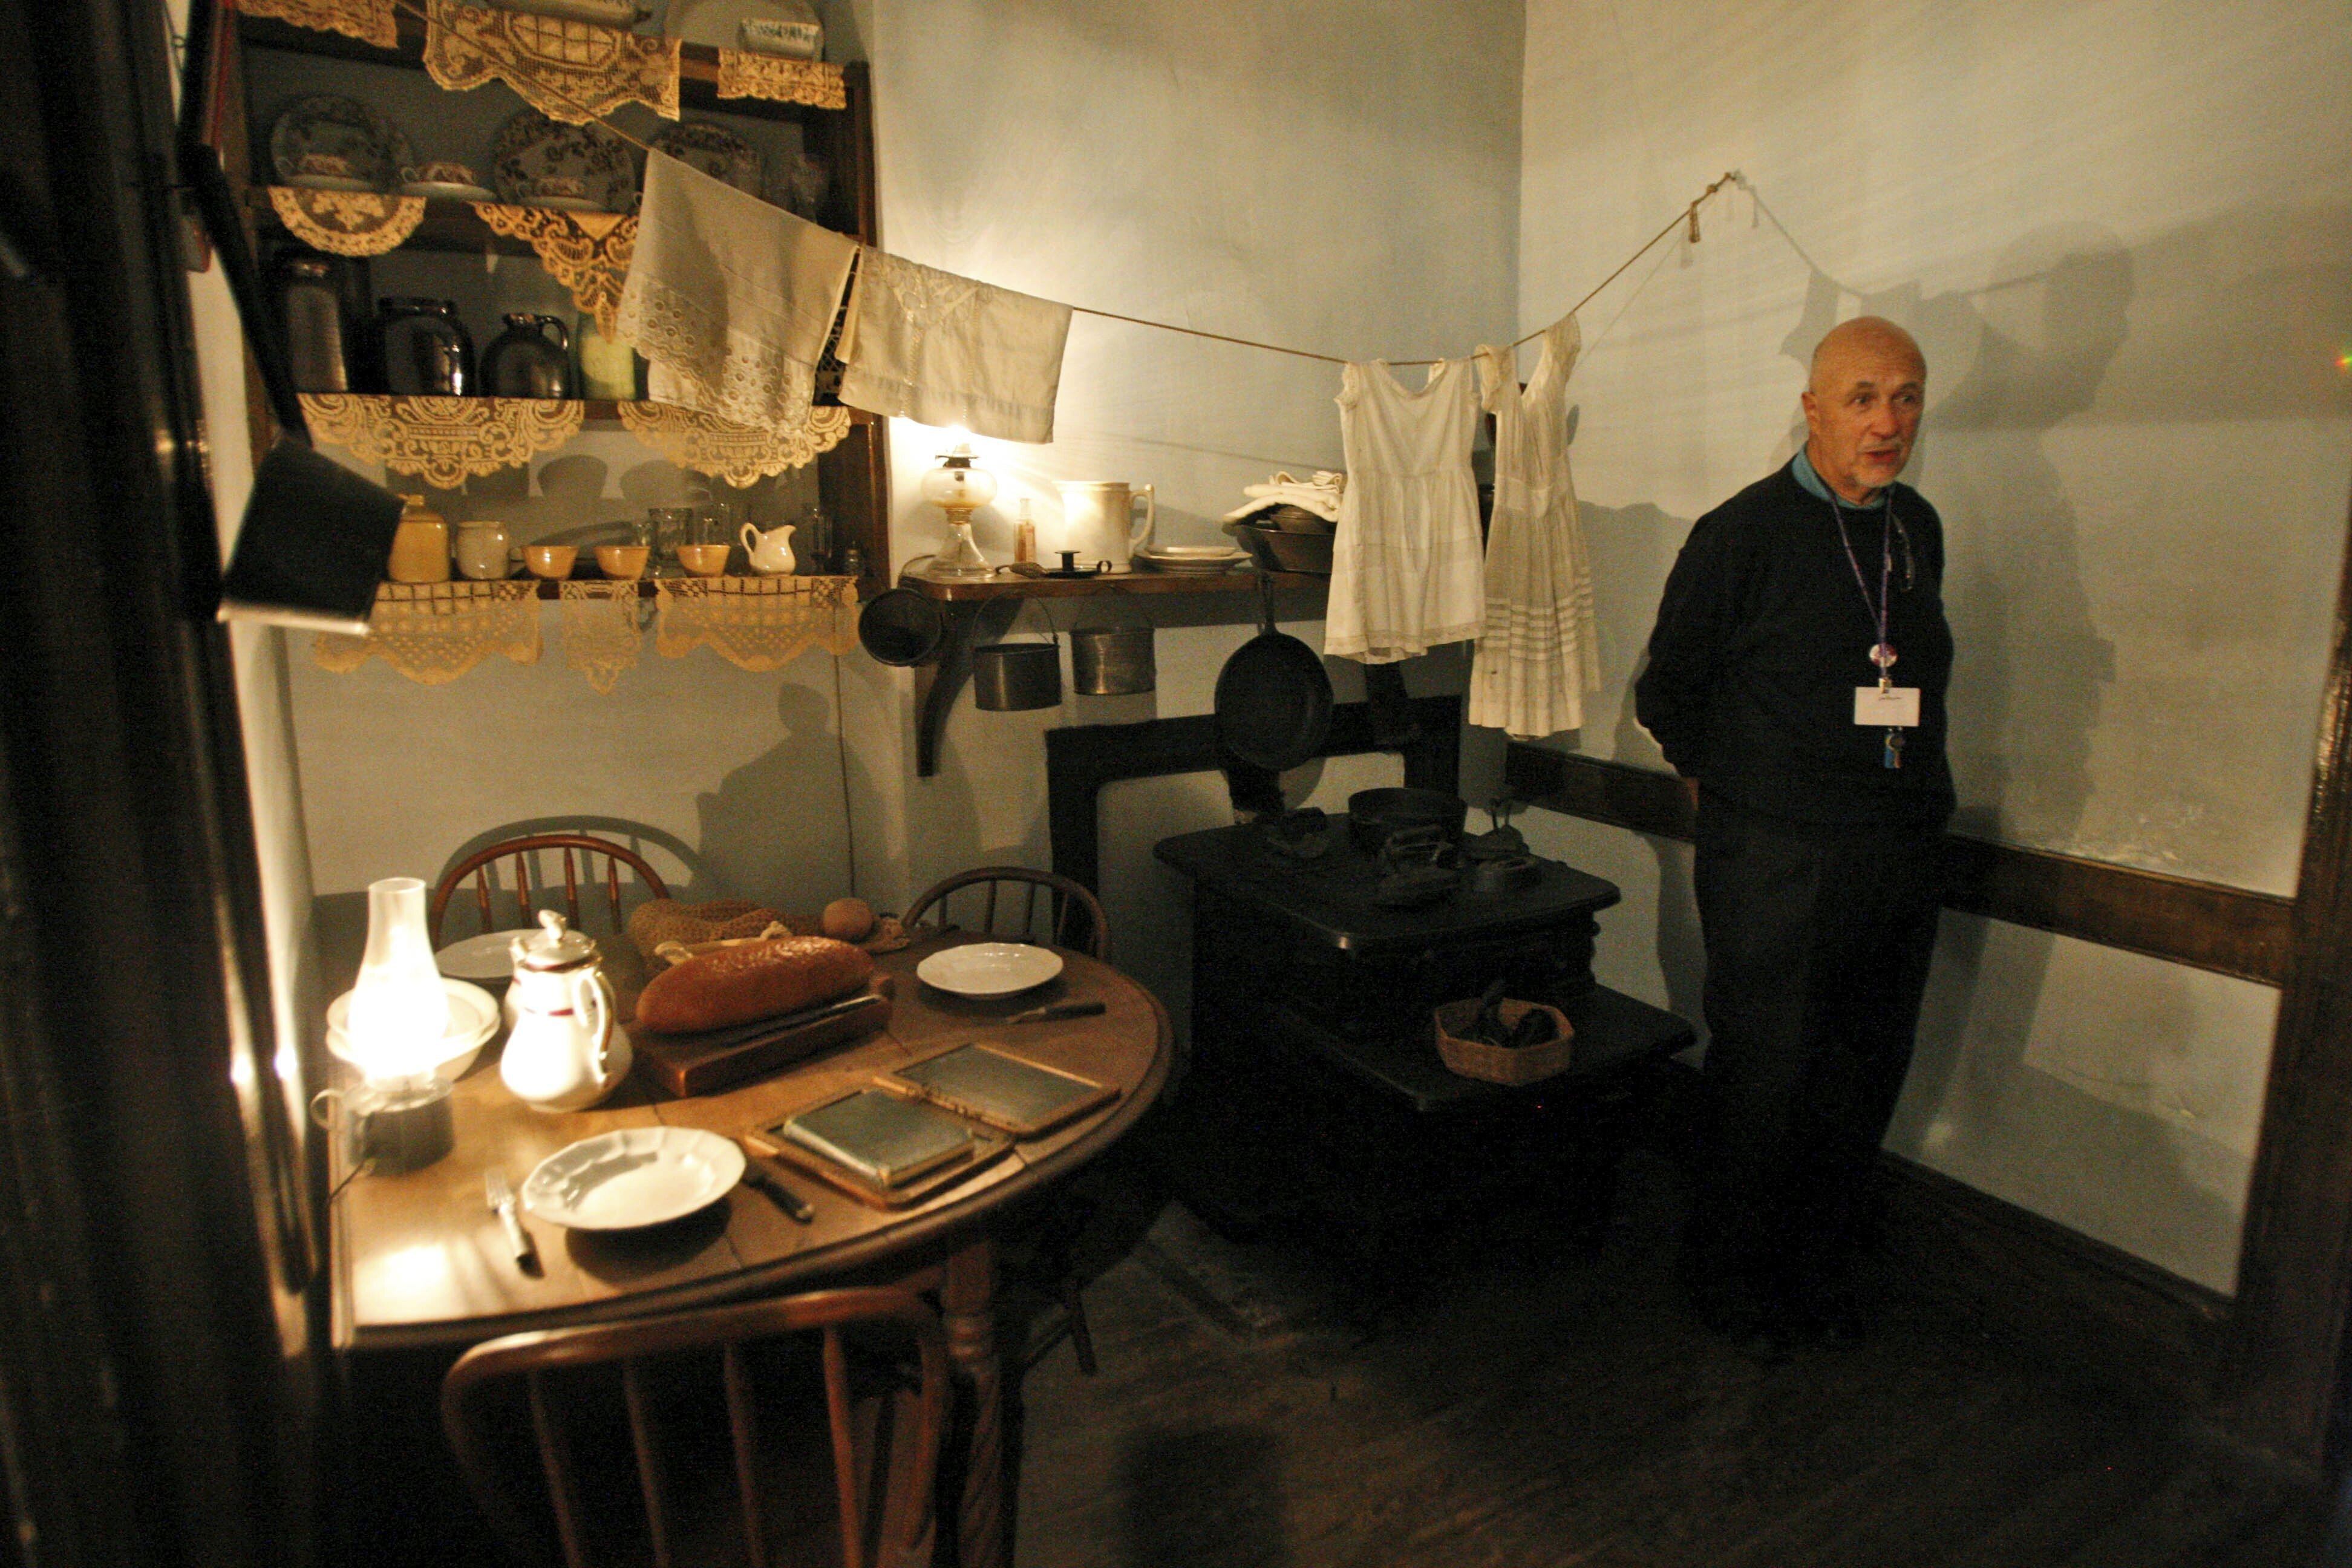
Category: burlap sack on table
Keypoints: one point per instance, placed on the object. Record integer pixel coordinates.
(660, 921)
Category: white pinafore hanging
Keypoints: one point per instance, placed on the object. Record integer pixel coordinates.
(1537, 655)
(1406, 570)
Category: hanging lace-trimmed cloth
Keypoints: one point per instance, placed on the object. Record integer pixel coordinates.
(347, 223)
(602, 634)
(588, 253)
(743, 454)
(732, 297)
(744, 73)
(756, 623)
(368, 21)
(571, 71)
(434, 632)
(931, 346)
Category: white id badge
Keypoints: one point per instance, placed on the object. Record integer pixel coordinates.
(1895, 708)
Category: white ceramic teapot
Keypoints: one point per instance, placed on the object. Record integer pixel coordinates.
(771, 552)
(564, 1052)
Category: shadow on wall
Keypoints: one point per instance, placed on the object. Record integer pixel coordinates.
(776, 830)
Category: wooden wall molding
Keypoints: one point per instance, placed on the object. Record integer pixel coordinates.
(2228, 930)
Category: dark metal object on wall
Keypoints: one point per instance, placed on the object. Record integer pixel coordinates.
(1112, 661)
(1013, 677)
(422, 349)
(1274, 697)
(901, 627)
(525, 360)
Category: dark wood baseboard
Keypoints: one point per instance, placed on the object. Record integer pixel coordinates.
(2203, 924)
(2080, 1301)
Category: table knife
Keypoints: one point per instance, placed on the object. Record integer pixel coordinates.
(790, 1202)
(503, 1204)
(1058, 1010)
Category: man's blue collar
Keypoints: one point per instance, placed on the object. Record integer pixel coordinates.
(1800, 467)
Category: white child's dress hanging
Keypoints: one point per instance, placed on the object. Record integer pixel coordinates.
(1537, 655)
(1407, 571)
(930, 346)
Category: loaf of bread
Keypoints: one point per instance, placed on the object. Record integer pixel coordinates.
(756, 980)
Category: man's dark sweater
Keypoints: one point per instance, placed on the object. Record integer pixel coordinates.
(1761, 638)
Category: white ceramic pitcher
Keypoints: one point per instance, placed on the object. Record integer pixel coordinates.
(1098, 519)
(563, 1053)
(771, 552)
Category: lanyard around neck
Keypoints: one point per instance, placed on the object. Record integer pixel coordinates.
(1881, 654)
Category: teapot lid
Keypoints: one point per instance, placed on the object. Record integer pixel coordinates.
(554, 947)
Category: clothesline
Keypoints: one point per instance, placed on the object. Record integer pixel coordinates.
(1688, 218)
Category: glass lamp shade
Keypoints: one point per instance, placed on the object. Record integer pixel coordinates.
(956, 485)
(399, 1010)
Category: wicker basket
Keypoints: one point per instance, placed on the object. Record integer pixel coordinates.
(1501, 1064)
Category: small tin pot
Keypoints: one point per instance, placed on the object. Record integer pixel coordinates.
(899, 626)
(1009, 677)
(1112, 661)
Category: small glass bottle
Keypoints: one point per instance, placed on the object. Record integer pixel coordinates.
(1024, 536)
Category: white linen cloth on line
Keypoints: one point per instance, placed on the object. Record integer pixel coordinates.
(1538, 655)
(1406, 568)
(927, 345)
(731, 297)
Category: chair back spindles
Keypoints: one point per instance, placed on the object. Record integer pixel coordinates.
(1075, 916)
(530, 890)
(888, 1458)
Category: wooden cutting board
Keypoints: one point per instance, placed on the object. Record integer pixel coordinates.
(697, 1064)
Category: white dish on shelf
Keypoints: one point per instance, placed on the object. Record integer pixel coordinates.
(636, 1176)
(1205, 559)
(474, 1018)
(986, 969)
(447, 190)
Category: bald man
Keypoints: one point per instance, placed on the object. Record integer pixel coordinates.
(1796, 680)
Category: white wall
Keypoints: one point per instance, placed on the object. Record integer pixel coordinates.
(1341, 177)
(2121, 233)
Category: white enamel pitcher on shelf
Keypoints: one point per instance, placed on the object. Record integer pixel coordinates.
(565, 1051)
(771, 552)
(1098, 519)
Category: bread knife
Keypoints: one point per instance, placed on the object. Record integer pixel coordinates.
(1058, 1010)
(758, 1174)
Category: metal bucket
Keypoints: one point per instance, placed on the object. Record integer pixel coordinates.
(1112, 661)
(1008, 676)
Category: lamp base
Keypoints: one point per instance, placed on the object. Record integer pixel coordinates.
(961, 558)
(405, 1127)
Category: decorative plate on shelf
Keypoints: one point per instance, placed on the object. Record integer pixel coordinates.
(637, 1176)
(1204, 559)
(447, 180)
(715, 150)
(989, 968)
(541, 163)
(326, 141)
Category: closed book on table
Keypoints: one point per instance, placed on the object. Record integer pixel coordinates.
(1001, 1090)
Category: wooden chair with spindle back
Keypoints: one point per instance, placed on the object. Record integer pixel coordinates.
(1075, 916)
(1075, 920)
(548, 1427)
(578, 849)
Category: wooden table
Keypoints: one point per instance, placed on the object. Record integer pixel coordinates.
(420, 1260)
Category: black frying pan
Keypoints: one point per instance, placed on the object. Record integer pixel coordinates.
(1274, 697)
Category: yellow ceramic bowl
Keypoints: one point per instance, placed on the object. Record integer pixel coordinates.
(622, 560)
(553, 561)
(704, 560)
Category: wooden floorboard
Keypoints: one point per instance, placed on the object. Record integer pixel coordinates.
(1526, 1411)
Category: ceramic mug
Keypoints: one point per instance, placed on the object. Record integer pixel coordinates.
(623, 561)
(551, 560)
(704, 560)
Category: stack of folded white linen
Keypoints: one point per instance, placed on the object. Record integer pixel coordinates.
(1319, 495)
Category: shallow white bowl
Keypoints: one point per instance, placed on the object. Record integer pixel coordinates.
(637, 1176)
(486, 959)
(989, 968)
(473, 1018)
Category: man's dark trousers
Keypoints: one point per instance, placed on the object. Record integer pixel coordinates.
(1818, 942)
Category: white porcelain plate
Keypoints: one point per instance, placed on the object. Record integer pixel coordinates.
(989, 968)
(1203, 558)
(486, 959)
(473, 1019)
(639, 1175)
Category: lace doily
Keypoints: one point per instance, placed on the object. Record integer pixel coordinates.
(588, 253)
(442, 439)
(570, 71)
(434, 632)
(740, 454)
(368, 21)
(720, 369)
(602, 633)
(744, 73)
(755, 623)
(347, 223)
